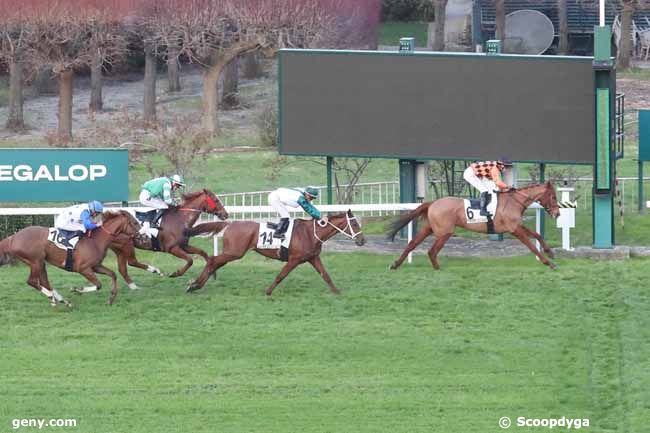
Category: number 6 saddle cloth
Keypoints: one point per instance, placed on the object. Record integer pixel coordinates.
(473, 210)
(266, 241)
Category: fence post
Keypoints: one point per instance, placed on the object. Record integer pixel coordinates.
(330, 198)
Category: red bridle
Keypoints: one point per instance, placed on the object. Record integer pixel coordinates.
(212, 205)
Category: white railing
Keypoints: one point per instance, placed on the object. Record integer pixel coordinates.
(241, 212)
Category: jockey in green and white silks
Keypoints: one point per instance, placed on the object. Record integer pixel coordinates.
(157, 193)
(282, 198)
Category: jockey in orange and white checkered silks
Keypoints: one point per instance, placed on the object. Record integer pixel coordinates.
(486, 176)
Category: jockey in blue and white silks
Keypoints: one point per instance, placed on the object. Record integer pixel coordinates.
(282, 198)
(78, 219)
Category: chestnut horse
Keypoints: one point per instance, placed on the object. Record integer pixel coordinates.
(173, 224)
(306, 244)
(447, 213)
(31, 246)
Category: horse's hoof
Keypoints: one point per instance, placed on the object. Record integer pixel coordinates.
(269, 292)
(336, 291)
(392, 267)
(133, 286)
(552, 265)
(174, 275)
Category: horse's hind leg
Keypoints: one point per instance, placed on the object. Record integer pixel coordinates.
(522, 234)
(318, 265)
(544, 245)
(435, 249)
(421, 236)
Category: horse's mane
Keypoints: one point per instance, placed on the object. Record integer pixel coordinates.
(109, 215)
(336, 215)
(192, 195)
(531, 185)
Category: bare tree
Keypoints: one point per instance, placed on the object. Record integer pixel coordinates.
(230, 87)
(440, 7)
(61, 36)
(500, 20)
(13, 39)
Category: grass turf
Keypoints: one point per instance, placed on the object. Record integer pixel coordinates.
(406, 351)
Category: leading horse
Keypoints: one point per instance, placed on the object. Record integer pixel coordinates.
(172, 237)
(31, 246)
(306, 245)
(445, 214)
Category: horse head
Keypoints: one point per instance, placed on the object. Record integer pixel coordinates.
(120, 222)
(348, 224)
(549, 200)
(205, 201)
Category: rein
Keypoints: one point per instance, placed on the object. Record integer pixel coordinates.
(352, 234)
(527, 199)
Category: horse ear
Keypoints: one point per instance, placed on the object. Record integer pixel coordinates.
(349, 212)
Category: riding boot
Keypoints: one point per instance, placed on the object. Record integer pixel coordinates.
(283, 225)
(483, 203)
(156, 218)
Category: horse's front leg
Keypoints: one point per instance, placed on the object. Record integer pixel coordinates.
(522, 235)
(198, 251)
(104, 270)
(283, 273)
(542, 242)
(181, 254)
(318, 265)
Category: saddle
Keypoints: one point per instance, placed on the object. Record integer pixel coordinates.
(152, 217)
(66, 241)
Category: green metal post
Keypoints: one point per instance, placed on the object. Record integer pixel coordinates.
(330, 195)
(641, 204)
(542, 218)
(407, 193)
(604, 168)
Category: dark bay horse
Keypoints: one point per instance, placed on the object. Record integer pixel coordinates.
(306, 244)
(31, 246)
(173, 224)
(445, 214)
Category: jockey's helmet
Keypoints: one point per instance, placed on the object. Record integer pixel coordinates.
(312, 191)
(95, 207)
(177, 179)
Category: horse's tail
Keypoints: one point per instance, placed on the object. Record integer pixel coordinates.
(210, 229)
(406, 218)
(5, 255)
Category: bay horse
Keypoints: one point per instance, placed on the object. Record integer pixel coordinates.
(306, 244)
(445, 214)
(172, 238)
(31, 246)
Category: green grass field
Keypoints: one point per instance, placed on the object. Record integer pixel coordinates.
(407, 351)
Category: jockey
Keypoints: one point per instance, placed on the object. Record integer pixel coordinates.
(77, 220)
(486, 176)
(282, 198)
(157, 193)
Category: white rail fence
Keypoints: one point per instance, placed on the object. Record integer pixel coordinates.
(243, 212)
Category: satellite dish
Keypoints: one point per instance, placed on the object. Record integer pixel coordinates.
(528, 32)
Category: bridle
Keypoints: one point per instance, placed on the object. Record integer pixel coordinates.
(351, 235)
(211, 205)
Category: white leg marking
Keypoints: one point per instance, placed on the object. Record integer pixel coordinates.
(89, 289)
(133, 286)
(46, 292)
(153, 270)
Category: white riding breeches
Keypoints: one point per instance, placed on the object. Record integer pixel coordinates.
(155, 202)
(482, 184)
(277, 205)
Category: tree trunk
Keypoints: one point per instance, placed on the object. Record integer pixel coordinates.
(65, 104)
(211, 97)
(563, 43)
(251, 66)
(625, 49)
(230, 89)
(15, 121)
(500, 20)
(173, 75)
(431, 35)
(439, 38)
(96, 101)
(149, 84)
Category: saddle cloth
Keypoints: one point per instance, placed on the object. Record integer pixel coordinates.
(54, 237)
(473, 210)
(266, 241)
